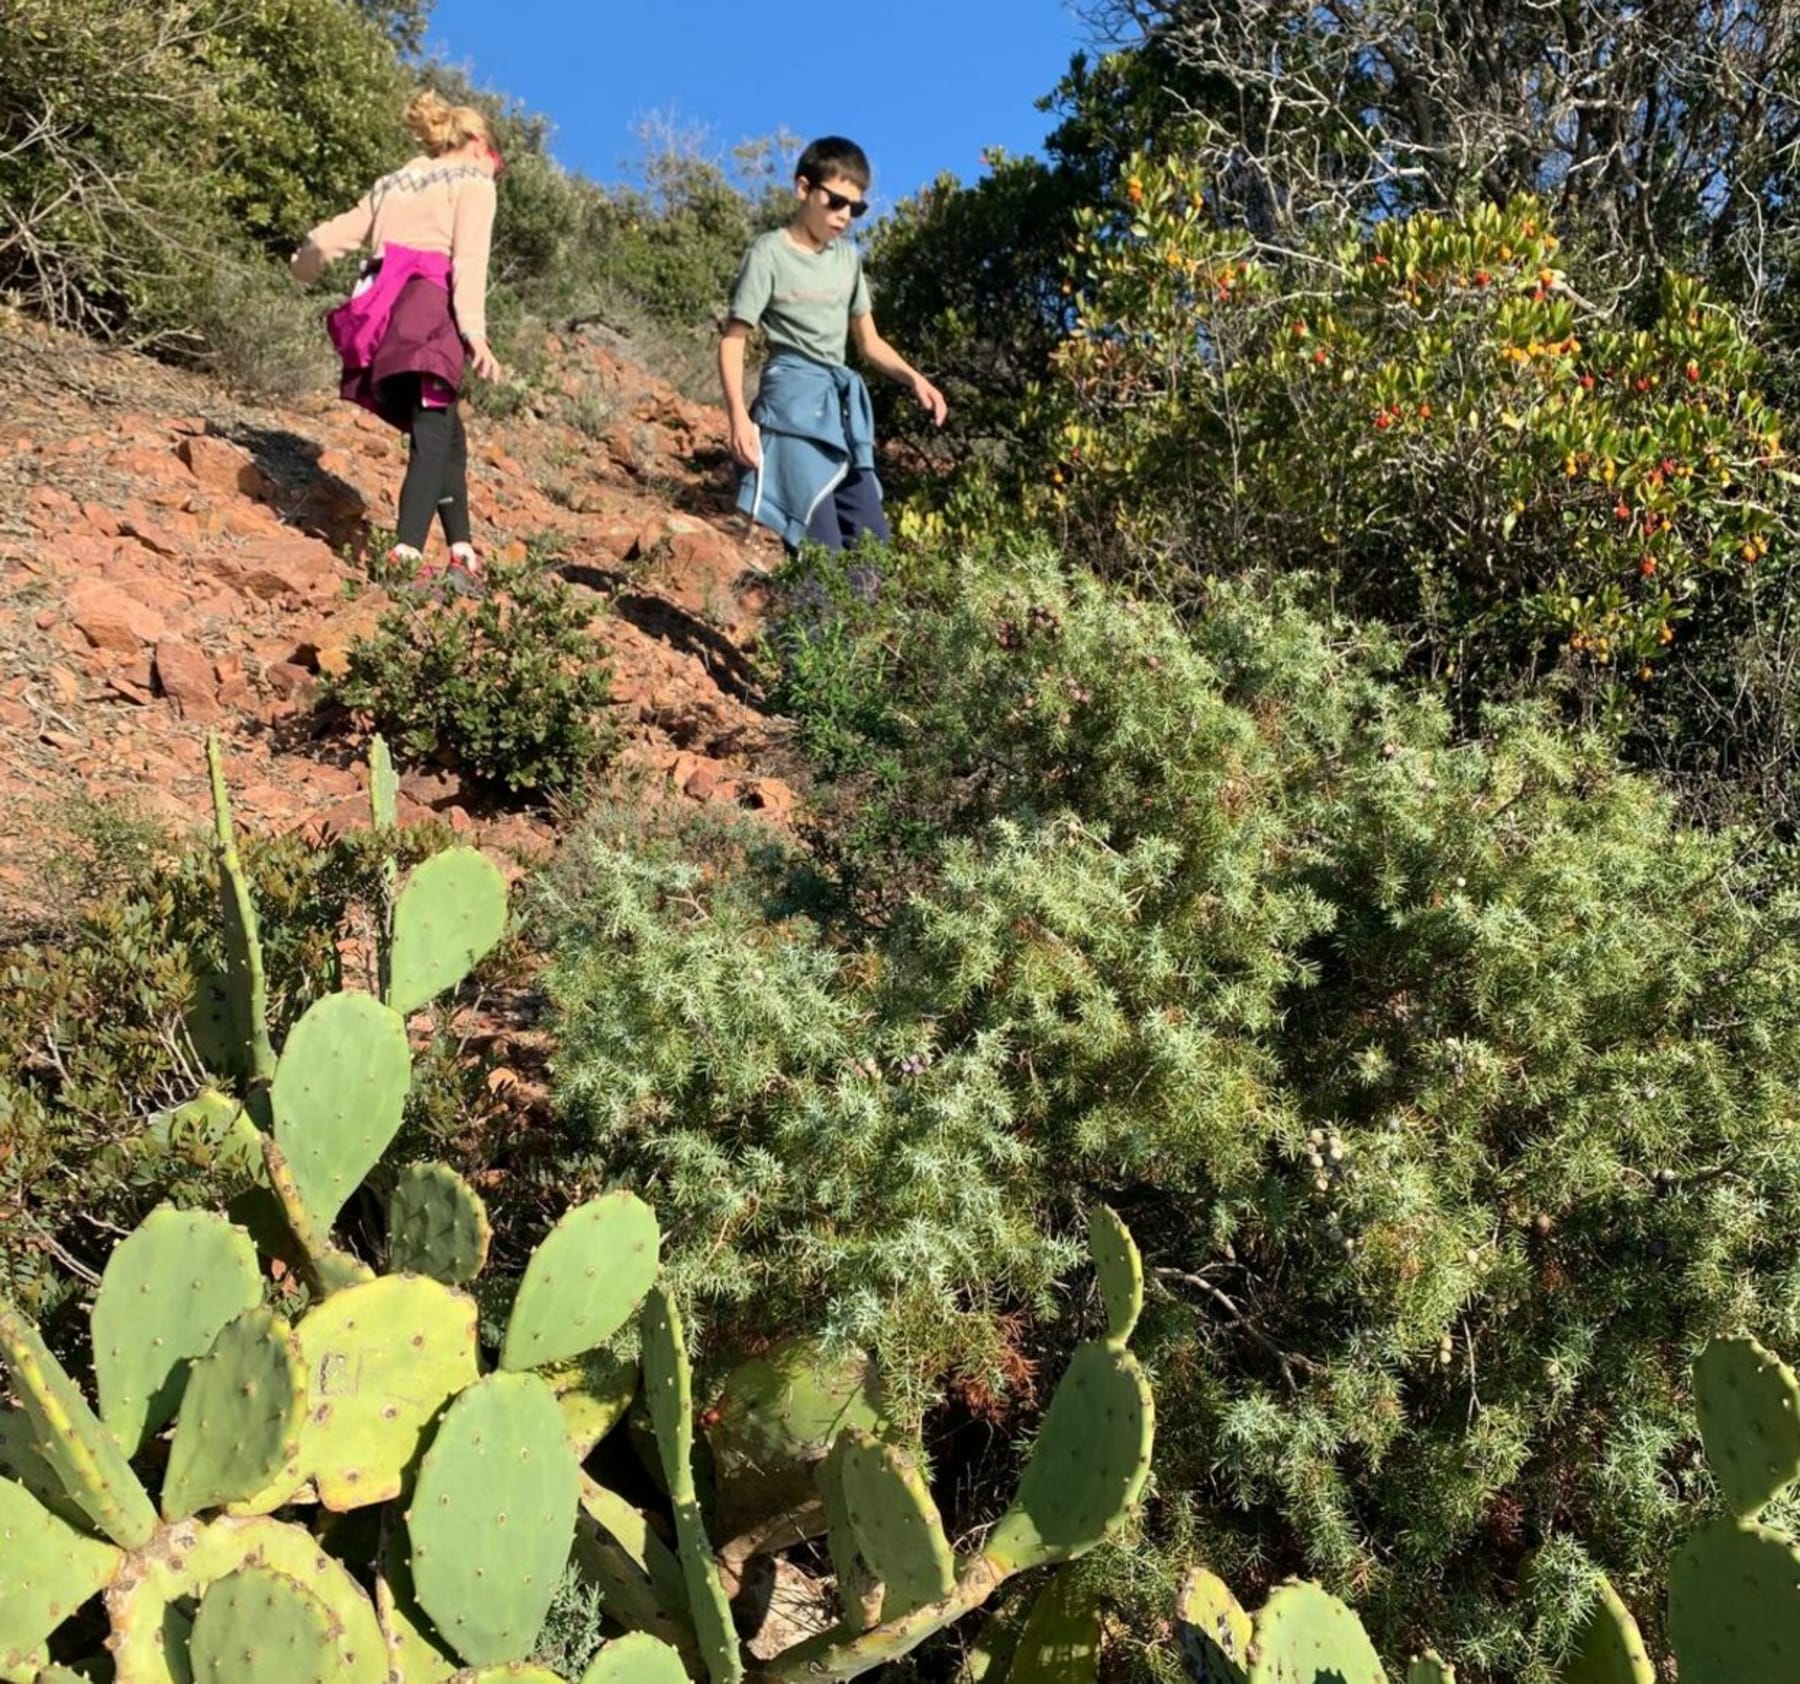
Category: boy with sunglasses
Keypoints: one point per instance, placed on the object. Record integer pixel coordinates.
(807, 443)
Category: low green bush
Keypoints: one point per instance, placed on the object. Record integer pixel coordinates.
(509, 688)
(1444, 1082)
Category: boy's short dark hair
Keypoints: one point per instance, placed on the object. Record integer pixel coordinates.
(831, 156)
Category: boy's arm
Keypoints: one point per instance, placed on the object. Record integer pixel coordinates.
(746, 443)
(882, 356)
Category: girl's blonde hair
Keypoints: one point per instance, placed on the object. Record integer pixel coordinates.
(441, 127)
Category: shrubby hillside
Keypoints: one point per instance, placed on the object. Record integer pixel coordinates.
(1315, 779)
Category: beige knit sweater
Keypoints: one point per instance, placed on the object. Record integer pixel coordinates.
(431, 205)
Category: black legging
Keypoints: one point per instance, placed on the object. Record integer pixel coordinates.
(437, 477)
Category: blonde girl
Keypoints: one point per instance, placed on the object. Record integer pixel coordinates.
(417, 321)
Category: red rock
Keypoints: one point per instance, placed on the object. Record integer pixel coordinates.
(220, 465)
(291, 683)
(186, 677)
(284, 565)
(109, 619)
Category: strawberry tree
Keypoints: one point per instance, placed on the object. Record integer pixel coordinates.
(1429, 410)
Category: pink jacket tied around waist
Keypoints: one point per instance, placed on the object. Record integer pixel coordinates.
(398, 321)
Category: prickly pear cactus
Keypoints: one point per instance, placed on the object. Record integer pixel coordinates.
(21, 1462)
(257, 1626)
(584, 1282)
(145, 1602)
(339, 1094)
(381, 1360)
(1748, 1402)
(240, 1416)
(638, 1576)
(1088, 1467)
(515, 1672)
(167, 1289)
(1061, 1640)
(245, 1015)
(493, 1518)
(437, 1225)
(1734, 1604)
(66, 1435)
(1119, 1271)
(593, 1392)
(669, 1393)
(774, 1422)
(1212, 1629)
(448, 917)
(49, 1569)
(416, 1654)
(1431, 1668)
(1611, 1649)
(1305, 1635)
(635, 1659)
(896, 1525)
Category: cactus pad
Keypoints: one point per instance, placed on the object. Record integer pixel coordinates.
(384, 786)
(245, 1014)
(339, 1093)
(1304, 1635)
(240, 1416)
(593, 1392)
(669, 1394)
(1061, 1640)
(1734, 1604)
(1212, 1629)
(1611, 1648)
(1432, 1668)
(637, 1574)
(169, 1286)
(1088, 1467)
(1749, 1407)
(414, 1654)
(50, 1570)
(584, 1282)
(1119, 1271)
(257, 1626)
(382, 1359)
(437, 1226)
(493, 1518)
(145, 1601)
(22, 1462)
(514, 1672)
(86, 1458)
(636, 1659)
(896, 1525)
(449, 915)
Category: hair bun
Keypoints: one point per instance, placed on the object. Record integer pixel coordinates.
(439, 126)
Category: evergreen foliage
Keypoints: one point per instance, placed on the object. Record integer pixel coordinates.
(1443, 1082)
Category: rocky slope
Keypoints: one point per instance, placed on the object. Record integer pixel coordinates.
(174, 560)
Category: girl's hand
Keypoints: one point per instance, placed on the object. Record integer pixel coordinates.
(484, 362)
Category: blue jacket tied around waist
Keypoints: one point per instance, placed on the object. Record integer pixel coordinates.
(817, 425)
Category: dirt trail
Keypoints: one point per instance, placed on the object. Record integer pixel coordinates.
(173, 561)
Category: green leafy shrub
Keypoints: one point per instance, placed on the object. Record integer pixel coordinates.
(94, 1014)
(1443, 1082)
(1433, 413)
(509, 687)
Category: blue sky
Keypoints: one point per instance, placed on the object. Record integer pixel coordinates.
(923, 85)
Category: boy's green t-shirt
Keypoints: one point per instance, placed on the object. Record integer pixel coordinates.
(802, 299)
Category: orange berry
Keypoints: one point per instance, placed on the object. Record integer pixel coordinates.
(1622, 509)
(1692, 371)
(1647, 566)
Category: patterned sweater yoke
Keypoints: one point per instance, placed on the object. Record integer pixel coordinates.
(429, 205)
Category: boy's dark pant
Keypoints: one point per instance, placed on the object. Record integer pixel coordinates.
(852, 510)
(437, 477)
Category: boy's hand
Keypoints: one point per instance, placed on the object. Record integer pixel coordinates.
(930, 399)
(746, 442)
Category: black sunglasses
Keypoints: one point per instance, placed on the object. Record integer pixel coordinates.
(837, 202)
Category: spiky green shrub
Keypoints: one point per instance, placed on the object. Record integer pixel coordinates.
(1445, 1084)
